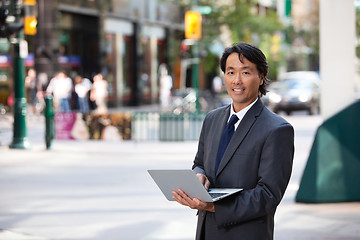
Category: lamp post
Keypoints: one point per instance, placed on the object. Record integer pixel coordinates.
(20, 140)
(195, 73)
(193, 23)
(193, 32)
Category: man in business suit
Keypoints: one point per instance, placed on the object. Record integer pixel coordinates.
(258, 157)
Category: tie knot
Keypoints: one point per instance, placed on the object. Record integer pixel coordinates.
(233, 119)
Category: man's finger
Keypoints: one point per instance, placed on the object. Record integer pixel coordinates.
(207, 184)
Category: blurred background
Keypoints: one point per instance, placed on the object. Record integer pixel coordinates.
(128, 41)
(161, 53)
(157, 64)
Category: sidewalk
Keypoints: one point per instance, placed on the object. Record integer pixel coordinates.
(98, 190)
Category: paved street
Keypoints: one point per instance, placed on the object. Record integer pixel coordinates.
(100, 190)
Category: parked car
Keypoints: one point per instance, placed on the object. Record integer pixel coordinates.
(294, 91)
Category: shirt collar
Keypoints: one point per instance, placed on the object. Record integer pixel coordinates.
(241, 113)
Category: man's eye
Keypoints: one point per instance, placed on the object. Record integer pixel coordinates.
(230, 73)
(246, 73)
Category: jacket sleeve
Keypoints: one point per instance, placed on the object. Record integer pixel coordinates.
(274, 171)
(198, 166)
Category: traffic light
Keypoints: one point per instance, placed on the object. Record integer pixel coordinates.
(7, 27)
(192, 25)
(30, 20)
(184, 51)
(3, 25)
(10, 26)
(30, 23)
(29, 2)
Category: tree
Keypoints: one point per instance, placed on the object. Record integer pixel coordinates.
(239, 20)
(358, 32)
(232, 21)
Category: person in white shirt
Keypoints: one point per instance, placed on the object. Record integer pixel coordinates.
(99, 93)
(61, 87)
(82, 88)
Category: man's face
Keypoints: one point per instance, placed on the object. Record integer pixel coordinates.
(242, 81)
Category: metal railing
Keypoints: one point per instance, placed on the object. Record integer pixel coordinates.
(155, 126)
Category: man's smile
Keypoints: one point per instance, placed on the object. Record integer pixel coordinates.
(238, 89)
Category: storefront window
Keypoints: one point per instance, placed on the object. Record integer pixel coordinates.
(118, 67)
(79, 44)
(127, 67)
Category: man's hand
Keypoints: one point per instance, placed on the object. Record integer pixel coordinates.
(182, 198)
(204, 180)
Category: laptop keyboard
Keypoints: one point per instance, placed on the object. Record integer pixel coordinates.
(216, 195)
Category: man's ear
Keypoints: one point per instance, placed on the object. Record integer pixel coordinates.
(262, 79)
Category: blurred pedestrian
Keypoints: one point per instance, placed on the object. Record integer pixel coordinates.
(82, 88)
(99, 93)
(61, 87)
(242, 145)
(217, 88)
(217, 85)
(31, 85)
(165, 86)
(42, 84)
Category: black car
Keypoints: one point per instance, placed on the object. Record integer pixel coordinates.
(295, 91)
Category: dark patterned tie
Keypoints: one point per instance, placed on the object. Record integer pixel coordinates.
(225, 139)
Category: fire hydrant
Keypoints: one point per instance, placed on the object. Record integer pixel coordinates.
(49, 119)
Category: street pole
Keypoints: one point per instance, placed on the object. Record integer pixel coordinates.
(195, 70)
(20, 136)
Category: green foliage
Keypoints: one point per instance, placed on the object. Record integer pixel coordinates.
(245, 24)
(212, 64)
(241, 17)
(358, 31)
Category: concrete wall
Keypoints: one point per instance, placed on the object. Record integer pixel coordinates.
(337, 55)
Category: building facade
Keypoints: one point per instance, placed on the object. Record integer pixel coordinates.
(125, 40)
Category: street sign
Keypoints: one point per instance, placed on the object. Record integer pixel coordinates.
(204, 10)
(23, 50)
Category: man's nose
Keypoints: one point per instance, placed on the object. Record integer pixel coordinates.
(237, 79)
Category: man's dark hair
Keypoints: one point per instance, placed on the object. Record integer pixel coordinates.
(254, 55)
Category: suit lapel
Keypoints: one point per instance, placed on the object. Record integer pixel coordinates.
(240, 133)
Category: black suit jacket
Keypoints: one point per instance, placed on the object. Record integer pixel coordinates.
(259, 159)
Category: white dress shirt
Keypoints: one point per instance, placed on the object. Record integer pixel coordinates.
(241, 113)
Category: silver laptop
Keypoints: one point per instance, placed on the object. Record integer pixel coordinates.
(186, 180)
